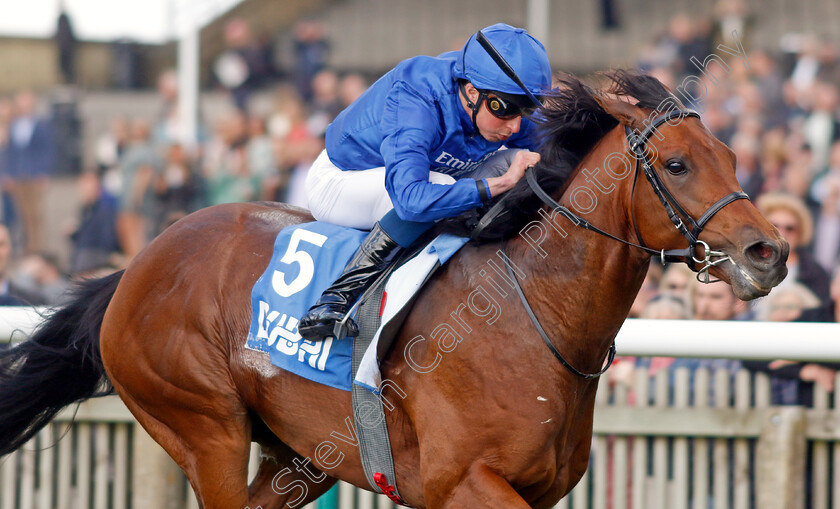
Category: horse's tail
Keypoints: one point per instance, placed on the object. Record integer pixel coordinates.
(59, 365)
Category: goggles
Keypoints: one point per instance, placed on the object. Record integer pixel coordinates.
(504, 108)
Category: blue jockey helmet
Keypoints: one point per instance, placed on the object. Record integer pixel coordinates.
(525, 55)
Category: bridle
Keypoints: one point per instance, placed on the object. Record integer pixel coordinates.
(637, 145)
(676, 213)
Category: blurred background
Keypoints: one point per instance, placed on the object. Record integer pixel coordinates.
(117, 118)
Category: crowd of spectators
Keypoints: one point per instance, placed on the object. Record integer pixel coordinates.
(144, 178)
(777, 108)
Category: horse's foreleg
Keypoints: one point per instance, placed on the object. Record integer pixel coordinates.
(478, 487)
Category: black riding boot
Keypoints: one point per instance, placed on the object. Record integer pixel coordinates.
(373, 257)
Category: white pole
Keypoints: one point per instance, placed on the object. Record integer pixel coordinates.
(18, 322)
(667, 338)
(730, 339)
(188, 77)
(537, 21)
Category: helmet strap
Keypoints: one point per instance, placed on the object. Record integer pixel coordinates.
(474, 106)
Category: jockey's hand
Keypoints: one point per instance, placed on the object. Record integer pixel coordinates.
(521, 161)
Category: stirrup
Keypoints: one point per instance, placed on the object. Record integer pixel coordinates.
(341, 328)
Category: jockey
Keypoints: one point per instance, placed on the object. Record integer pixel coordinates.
(414, 149)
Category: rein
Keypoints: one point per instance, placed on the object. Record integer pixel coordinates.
(544, 336)
(675, 211)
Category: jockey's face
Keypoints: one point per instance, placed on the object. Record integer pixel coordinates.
(491, 127)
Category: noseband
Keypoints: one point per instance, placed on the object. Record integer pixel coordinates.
(676, 213)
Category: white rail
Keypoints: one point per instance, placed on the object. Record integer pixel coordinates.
(730, 339)
(668, 338)
(18, 322)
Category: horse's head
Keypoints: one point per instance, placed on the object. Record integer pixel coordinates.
(695, 174)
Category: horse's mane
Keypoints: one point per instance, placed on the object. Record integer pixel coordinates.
(569, 125)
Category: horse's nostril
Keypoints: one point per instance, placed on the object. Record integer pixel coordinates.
(763, 252)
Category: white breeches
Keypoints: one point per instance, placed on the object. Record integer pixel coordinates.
(357, 199)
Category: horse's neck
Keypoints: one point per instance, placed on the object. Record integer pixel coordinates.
(580, 283)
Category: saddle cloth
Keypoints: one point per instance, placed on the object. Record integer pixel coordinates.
(307, 258)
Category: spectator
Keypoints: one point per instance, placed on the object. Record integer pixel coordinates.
(311, 53)
(826, 191)
(325, 104)
(94, 241)
(29, 163)
(178, 189)
(770, 89)
(822, 127)
(226, 169)
(666, 307)
(807, 65)
(747, 169)
(40, 275)
(262, 163)
(788, 304)
(792, 382)
(8, 214)
(66, 44)
(10, 293)
(350, 88)
(674, 281)
(647, 291)
(295, 146)
(774, 157)
(790, 216)
(139, 166)
(167, 126)
(796, 178)
(683, 41)
(240, 68)
(730, 16)
(662, 307)
(111, 145)
(713, 301)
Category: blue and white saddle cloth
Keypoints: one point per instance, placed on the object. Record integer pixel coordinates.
(307, 259)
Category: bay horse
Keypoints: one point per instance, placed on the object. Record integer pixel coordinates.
(480, 413)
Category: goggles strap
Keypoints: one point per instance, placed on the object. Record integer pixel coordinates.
(474, 106)
(504, 66)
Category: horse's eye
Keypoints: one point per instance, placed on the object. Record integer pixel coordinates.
(675, 167)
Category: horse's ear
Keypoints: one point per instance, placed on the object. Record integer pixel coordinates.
(622, 111)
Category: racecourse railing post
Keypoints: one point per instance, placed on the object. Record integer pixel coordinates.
(780, 459)
(158, 482)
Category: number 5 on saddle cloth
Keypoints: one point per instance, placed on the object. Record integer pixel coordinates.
(307, 259)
